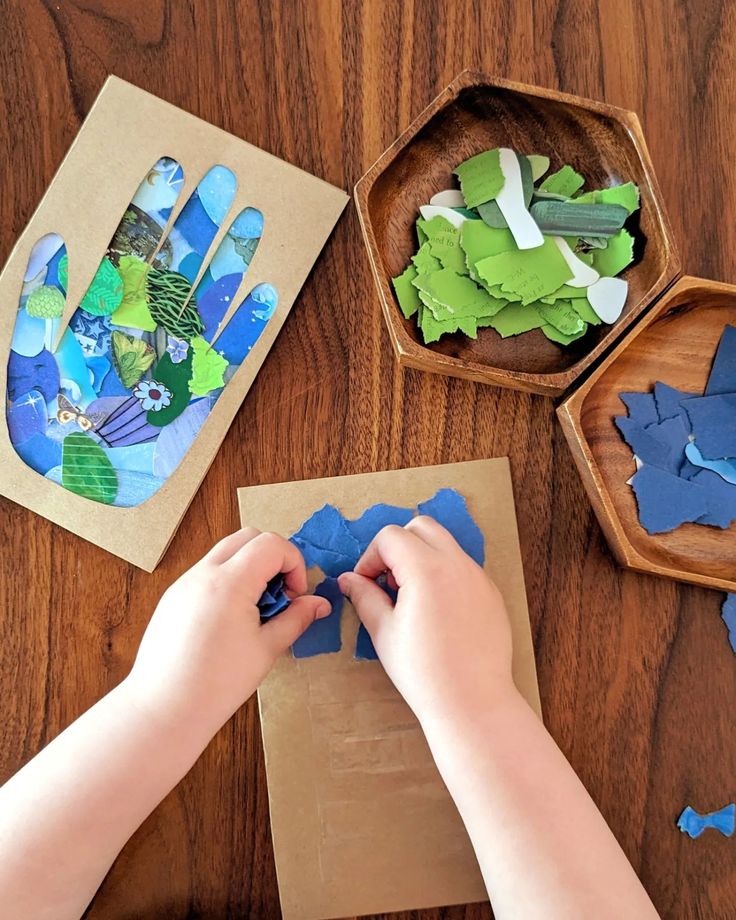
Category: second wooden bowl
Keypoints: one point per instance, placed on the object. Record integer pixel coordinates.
(475, 113)
(674, 343)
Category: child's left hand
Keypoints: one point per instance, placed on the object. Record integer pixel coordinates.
(205, 651)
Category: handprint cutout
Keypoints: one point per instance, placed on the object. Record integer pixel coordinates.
(111, 410)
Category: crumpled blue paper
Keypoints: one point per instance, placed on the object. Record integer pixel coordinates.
(274, 599)
(323, 636)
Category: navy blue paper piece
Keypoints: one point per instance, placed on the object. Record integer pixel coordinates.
(642, 407)
(665, 501)
(274, 599)
(323, 635)
(661, 444)
(450, 509)
(726, 469)
(376, 518)
(364, 650)
(721, 499)
(723, 373)
(26, 417)
(40, 372)
(713, 420)
(325, 541)
(40, 453)
(693, 824)
(669, 399)
(728, 615)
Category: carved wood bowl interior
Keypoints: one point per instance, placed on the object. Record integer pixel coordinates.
(674, 343)
(474, 113)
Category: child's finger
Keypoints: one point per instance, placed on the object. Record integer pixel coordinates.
(283, 630)
(228, 546)
(394, 548)
(370, 601)
(266, 555)
(431, 532)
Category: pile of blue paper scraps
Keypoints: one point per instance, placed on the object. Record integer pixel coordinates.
(333, 543)
(684, 445)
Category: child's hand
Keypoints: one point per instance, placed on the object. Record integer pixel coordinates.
(205, 651)
(447, 641)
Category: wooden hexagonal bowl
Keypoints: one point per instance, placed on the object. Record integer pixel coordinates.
(475, 113)
(675, 343)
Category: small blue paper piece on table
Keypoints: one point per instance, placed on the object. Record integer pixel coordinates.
(274, 599)
(364, 650)
(726, 469)
(713, 420)
(642, 407)
(323, 635)
(376, 518)
(728, 615)
(665, 501)
(669, 401)
(450, 509)
(325, 541)
(723, 373)
(693, 824)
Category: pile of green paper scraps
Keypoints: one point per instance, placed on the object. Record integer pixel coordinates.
(505, 252)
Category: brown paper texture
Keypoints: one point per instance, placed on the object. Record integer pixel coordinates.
(361, 821)
(126, 131)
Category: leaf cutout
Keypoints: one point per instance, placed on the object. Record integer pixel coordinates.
(131, 358)
(86, 469)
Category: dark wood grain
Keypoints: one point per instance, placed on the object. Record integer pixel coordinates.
(474, 113)
(637, 680)
(675, 343)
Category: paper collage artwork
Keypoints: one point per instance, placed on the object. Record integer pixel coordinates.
(109, 408)
(684, 446)
(332, 543)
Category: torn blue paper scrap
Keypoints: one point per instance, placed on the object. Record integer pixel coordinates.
(642, 407)
(376, 518)
(364, 650)
(665, 501)
(323, 636)
(721, 499)
(723, 373)
(669, 401)
(450, 509)
(713, 421)
(325, 541)
(728, 615)
(661, 444)
(726, 469)
(693, 824)
(274, 599)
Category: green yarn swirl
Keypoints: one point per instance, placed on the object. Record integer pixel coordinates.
(167, 292)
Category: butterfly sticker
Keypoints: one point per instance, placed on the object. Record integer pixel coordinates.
(68, 412)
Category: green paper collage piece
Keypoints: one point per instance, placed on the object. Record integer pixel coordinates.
(421, 235)
(616, 256)
(406, 293)
(208, 368)
(133, 311)
(175, 377)
(562, 316)
(480, 177)
(424, 262)
(433, 330)
(444, 243)
(568, 219)
(46, 302)
(516, 319)
(478, 241)
(63, 271)
(490, 212)
(539, 165)
(457, 296)
(562, 293)
(626, 195)
(531, 273)
(86, 469)
(167, 301)
(563, 182)
(131, 357)
(105, 292)
(584, 310)
(554, 335)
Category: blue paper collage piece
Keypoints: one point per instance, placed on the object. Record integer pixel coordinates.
(323, 636)
(274, 599)
(693, 823)
(728, 615)
(333, 543)
(137, 363)
(686, 447)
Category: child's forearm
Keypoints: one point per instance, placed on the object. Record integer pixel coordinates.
(542, 845)
(65, 816)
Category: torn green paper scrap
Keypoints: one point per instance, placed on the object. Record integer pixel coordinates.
(406, 293)
(444, 242)
(514, 320)
(616, 256)
(432, 329)
(479, 241)
(458, 293)
(532, 273)
(480, 177)
(424, 261)
(626, 195)
(562, 316)
(563, 182)
(554, 335)
(584, 310)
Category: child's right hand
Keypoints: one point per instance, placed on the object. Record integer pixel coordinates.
(446, 643)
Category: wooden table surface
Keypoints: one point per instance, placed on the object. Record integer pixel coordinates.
(637, 679)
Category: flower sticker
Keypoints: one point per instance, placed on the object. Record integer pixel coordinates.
(177, 349)
(153, 396)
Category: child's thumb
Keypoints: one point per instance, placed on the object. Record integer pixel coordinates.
(284, 629)
(369, 599)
